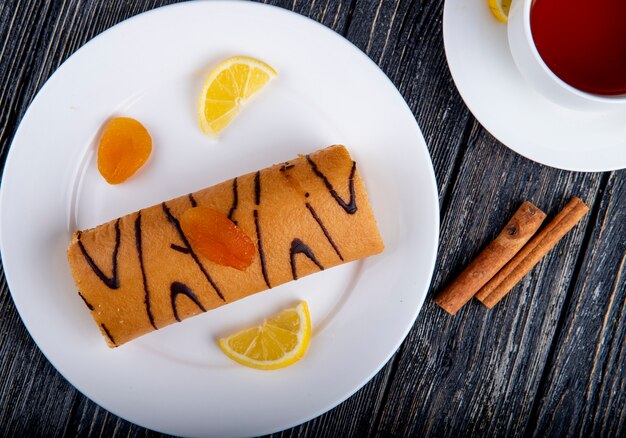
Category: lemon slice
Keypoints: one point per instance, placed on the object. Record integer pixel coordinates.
(500, 9)
(279, 342)
(227, 88)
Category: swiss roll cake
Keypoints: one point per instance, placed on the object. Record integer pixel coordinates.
(140, 272)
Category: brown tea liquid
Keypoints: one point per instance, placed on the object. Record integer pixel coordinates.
(583, 42)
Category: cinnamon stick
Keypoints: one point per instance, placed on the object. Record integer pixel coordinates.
(532, 253)
(524, 223)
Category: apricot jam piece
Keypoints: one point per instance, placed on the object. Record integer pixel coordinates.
(124, 147)
(217, 238)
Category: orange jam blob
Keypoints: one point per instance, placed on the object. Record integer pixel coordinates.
(217, 238)
(124, 147)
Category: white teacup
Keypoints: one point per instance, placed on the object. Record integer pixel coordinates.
(538, 74)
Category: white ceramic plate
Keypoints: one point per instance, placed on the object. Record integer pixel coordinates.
(152, 67)
(504, 103)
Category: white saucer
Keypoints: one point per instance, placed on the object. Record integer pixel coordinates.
(505, 104)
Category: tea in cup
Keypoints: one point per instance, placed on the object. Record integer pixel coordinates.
(572, 51)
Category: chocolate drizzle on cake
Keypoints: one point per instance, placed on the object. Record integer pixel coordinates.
(178, 288)
(299, 247)
(176, 224)
(192, 200)
(89, 306)
(108, 333)
(324, 230)
(257, 188)
(146, 299)
(349, 207)
(233, 206)
(179, 248)
(113, 282)
(259, 242)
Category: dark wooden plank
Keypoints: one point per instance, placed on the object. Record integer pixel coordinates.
(477, 373)
(20, 31)
(334, 14)
(585, 390)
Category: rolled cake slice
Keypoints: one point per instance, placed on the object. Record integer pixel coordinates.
(139, 273)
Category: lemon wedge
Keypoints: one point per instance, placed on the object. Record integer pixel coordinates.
(279, 342)
(227, 89)
(500, 9)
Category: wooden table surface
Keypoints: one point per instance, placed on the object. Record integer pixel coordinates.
(549, 360)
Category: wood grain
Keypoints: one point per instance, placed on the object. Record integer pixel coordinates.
(584, 392)
(548, 360)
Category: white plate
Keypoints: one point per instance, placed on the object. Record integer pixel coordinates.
(505, 104)
(151, 67)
